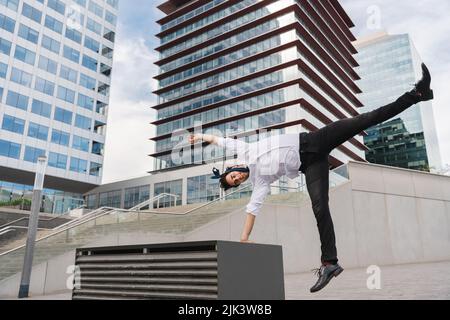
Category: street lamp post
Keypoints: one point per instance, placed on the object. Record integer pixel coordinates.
(32, 227)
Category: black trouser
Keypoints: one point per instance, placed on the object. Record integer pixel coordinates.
(315, 148)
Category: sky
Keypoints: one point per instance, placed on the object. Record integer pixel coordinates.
(127, 141)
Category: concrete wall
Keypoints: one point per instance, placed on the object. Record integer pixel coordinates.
(382, 216)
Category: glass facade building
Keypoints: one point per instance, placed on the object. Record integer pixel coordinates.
(389, 66)
(55, 74)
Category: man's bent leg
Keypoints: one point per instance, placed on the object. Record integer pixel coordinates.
(317, 182)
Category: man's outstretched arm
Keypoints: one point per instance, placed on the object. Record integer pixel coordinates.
(203, 137)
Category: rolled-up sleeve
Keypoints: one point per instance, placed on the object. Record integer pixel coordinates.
(260, 191)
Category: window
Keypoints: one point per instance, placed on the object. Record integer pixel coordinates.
(111, 199)
(71, 54)
(78, 165)
(83, 122)
(111, 18)
(41, 108)
(113, 3)
(87, 82)
(7, 23)
(201, 189)
(11, 4)
(98, 148)
(95, 9)
(25, 55)
(21, 77)
(9, 149)
(38, 131)
(60, 137)
(107, 52)
(17, 100)
(68, 74)
(51, 44)
(75, 17)
(80, 143)
(48, 65)
(53, 24)
(73, 35)
(89, 63)
(105, 70)
(32, 154)
(66, 94)
(85, 102)
(32, 13)
(81, 3)
(57, 160)
(57, 5)
(44, 86)
(109, 35)
(28, 34)
(13, 124)
(94, 26)
(91, 44)
(3, 71)
(172, 187)
(63, 115)
(95, 169)
(136, 195)
(5, 46)
(103, 89)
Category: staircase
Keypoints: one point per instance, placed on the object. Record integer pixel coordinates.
(126, 222)
(14, 226)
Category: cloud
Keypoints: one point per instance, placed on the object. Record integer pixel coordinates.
(127, 144)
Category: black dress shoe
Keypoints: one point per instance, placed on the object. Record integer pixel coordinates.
(325, 274)
(422, 88)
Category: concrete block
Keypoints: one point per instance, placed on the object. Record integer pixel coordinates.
(404, 229)
(434, 229)
(366, 178)
(445, 182)
(428, 186)
(372, 232)
(398, 182)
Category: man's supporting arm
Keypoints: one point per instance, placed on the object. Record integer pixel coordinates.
(248, 227)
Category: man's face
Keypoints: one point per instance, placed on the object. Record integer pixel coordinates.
(234, 179)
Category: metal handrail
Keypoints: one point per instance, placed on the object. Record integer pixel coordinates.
(155, 198)
(7, 229)
(27, 218)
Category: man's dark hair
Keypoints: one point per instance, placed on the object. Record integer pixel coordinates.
(223, 177)
(223, 181)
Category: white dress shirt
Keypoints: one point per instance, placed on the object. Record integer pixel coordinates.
(268, 160)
